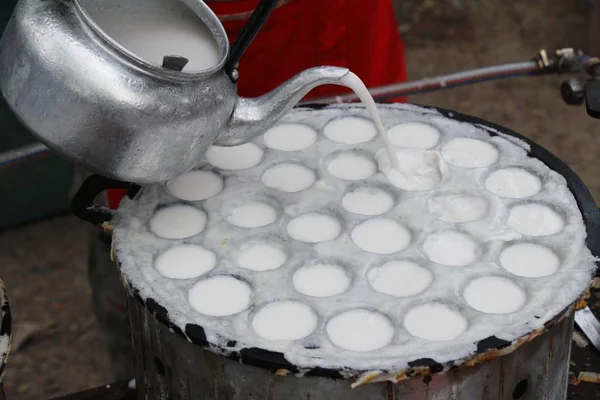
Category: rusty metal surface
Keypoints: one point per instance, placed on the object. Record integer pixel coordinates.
(168, 367)
(5, 332)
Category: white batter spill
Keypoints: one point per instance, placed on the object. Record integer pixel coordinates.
(284, 320)
(450, 248)
(530, 260)
(350, 130)
(360, 330)
(178, 222)
(289, 178)
(314, 228)
(417, 169)
(262, 256)
(290, 137)
(373, 263)
(513, 183)
(220, 295)
(368, 201)
(469, 153)
(352, 167)
(400, 278)
(435, 321)
(414, 135)
(321, 280)
(381, 236)
(252, 214)
(235, 158)
(196, 185)
(458, 207)
(185, 261)
(535, 220)
(494, 295)
(165, 28)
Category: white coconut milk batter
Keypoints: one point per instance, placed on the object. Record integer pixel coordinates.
(165, 28)
(414, 135)
(321, 280)
(220, 295)
(435, 321)
(252, 214)
(494, 295)
(458, 207)
(235, 158)
(513, 183)
(469, 153)
(535, 220)
(417, 169)
(360, 330)
(196, 185)
(319, 225)
(314, 228)
(350, 130)
(530, 260)
(262, 256)
(352, 167)
(368, 201)
(353, 82)
(185, 261)
(381, 236)
(400, 278)
(450, 248)
(290, 137)
(178, 222)
(284, 320)
(289, 177)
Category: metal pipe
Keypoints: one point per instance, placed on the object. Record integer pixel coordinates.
(485, 74)
(20, 154)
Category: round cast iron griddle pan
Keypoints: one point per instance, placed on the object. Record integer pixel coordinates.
(83, 207)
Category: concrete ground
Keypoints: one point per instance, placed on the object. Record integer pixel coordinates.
(44, 264)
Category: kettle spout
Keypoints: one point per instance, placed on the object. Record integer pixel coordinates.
(252, 117)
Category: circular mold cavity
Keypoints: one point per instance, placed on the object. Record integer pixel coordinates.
(360, 330)
(469, 153)
(513, 183)
(351, 166)
(178, 221)
(284, 320)
(399, 278)
(414, 135)
(185, 261)
(252, 214)
(535, 220)
(314, 228)
(350, 130)
(262, 256)
(435, 322)
(530, 260)
(458, 207)
(321, 280)
(494, 295)
(220, 295)
(367, 201)
(381, 236)
(234, 158)
(289, 177)
(195, 185)
(418, 169)
(451, 248)
(290, 137)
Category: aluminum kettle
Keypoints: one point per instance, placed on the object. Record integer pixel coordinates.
(105, 108)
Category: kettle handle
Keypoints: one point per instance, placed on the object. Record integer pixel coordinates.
(83, 205)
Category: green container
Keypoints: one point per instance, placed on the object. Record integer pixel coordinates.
(36, 188)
